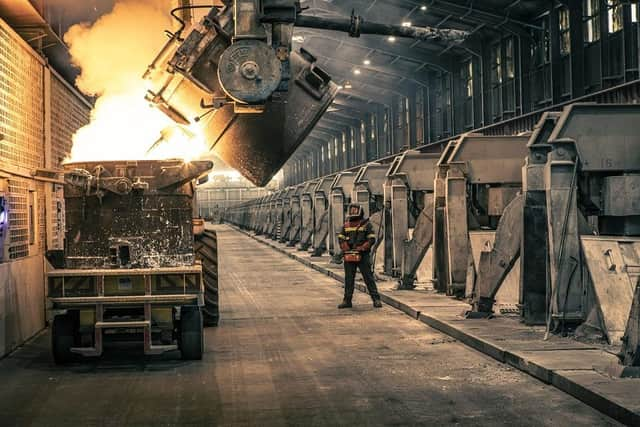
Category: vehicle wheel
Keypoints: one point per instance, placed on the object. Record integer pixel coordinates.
(191, 333)
(62, 338)
(206, 250)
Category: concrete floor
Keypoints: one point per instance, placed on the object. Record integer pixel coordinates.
(283, 355)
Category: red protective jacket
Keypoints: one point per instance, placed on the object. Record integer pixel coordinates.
(357, 235)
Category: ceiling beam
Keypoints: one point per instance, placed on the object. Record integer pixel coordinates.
(333, 123)
(345, 116)
(347, 121)
(469, 12)
(354, 104)
(367, 95)
(342, 74)
(442, 62)
(416, 76)
(330, 128)
(315, 141)
(320, 131)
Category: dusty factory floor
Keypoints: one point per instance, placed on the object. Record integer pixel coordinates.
(283, 355)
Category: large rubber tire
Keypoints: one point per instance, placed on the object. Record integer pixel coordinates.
(62, 338)
(206, 250)
(191, 333)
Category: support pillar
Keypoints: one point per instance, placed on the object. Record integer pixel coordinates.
(564, 241)
(457, 230)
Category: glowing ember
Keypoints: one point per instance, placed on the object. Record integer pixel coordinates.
(112, 55)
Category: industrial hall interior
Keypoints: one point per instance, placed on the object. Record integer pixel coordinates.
(319, 213)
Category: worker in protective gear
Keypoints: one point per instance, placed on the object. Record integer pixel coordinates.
(356, 240)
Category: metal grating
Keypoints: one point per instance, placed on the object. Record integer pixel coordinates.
(21, 105)
(42, 216)
(18, 218)
(56, 217)
(68, 114)
(22, 145)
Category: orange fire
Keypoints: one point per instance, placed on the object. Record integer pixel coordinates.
(112, 55)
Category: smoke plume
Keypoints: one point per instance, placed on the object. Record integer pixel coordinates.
(112, 54)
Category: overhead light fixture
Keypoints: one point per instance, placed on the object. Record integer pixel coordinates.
(298, 39)
(366, 62)
(391, 39)
(423, 7)
(406, 24)
(347, 85)
(356, 71)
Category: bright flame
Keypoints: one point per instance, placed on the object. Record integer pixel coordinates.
(112, 55)
(124, 126)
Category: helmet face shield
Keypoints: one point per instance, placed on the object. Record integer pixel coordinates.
(355, 212)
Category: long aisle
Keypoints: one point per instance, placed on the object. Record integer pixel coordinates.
(284, 355)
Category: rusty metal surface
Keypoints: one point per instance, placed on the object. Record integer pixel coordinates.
(371, 178)
(613, 269)
(128, 214)
(125, 300)
(496, 262)
(254, 139)
(593, 127)
(630, 353)
(414, 250)
(491, 159)
(499, 198)
(251, 72)
(186, 269)
(621, 195)
(257, 145)
(416, 169)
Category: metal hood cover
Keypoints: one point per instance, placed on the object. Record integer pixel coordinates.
(258, 145)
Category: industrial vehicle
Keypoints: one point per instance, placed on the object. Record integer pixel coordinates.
(131, 268)
(236, 75)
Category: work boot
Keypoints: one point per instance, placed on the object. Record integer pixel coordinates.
(345, 304)
(377, 303)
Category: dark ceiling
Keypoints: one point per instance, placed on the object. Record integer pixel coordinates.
(393, 67)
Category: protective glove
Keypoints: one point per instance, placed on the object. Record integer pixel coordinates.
(364, 247)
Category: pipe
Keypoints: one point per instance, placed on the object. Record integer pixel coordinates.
(357, 26)
(181, 21)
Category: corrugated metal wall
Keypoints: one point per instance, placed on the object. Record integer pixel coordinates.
(39, 113)
(68, 113)
(18, 218)
(21, 104)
